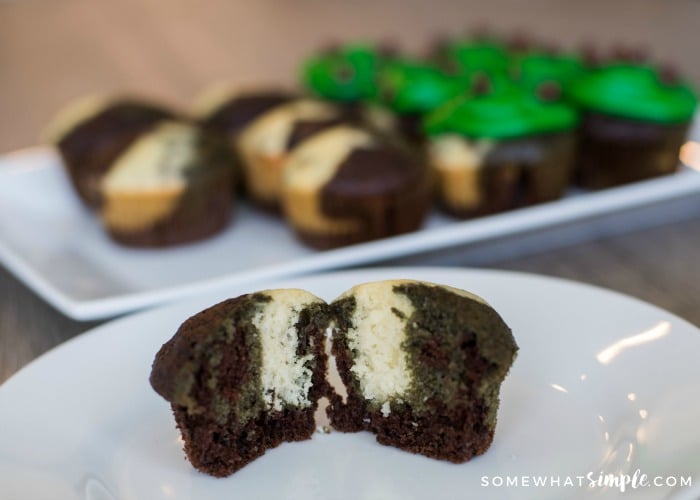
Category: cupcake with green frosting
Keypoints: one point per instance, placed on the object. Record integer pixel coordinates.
(411, 89)
(547, 75)
(634, 121)
(499, 151)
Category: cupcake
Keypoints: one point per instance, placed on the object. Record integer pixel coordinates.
(153, 179)
(494, 152)
(634, 121)
(263, 128)
(90, 133)
(344, 186)
(411, 89)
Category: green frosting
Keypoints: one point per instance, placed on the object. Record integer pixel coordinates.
(478, 55)
(534, 69)
(505, 114)
(414, 87)
(635, 92)
(348, 74)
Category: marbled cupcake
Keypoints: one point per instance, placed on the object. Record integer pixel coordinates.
(244, 376)
(499, 151)
(422, 366)
(343, 186)
(263, 127)
(153, 179)
(635, 120)
(90, 133)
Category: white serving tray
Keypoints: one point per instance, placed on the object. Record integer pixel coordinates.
(58, 249)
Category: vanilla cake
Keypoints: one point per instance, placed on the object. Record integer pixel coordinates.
(422, 366)
(244, 376)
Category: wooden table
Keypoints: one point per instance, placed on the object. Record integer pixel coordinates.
(52, 51)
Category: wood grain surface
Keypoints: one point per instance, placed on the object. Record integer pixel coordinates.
(54, 50)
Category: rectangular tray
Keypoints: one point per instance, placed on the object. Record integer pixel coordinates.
(57, 247)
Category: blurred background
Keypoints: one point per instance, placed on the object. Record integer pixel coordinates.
(54, 50)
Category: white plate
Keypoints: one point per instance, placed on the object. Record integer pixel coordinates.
(53, 244)
(603, 384)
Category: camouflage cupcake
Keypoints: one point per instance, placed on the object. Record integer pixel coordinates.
(634, 121)
(263, 127)
(344, 186)
(494, 152)
(153, 178)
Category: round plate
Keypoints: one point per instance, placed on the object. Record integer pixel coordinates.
(603, 384)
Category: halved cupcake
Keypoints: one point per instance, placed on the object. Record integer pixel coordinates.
(244, 376)
(422, 366)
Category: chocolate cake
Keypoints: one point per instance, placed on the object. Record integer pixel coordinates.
(263, 128)
(501, 150)
(635, 120)
(422, 366)
(154, 180)
(343, 186)
(244, 376)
